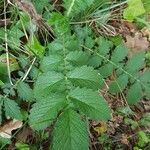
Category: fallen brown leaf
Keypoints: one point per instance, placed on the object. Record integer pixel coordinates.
(6, 129)
(136, 43)
(146, 32)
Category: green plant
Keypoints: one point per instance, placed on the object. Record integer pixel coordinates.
(65, 88)
(72, 68)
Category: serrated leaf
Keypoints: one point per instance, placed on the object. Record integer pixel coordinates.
(119, 53)
(60, 23)
(90, 103)
(85, 76)
(89, 42)
(51, 62)
(24, 91)
(14, 36)
(134, 93)
(70, 132)
(147, 89)
(145, 76)
(45, 111)
(77, 57)
(135, 8)
(119, 84)
(74, 7)
(95, 61)
(106, 70)
(46, 83)
(135, 62)
(12, 109)
(104, 46)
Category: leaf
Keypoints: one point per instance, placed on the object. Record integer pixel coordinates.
(119, 53)
(22, 146)
(145, 120)
(101, 127)
(1, 83)
(147, 89)
(90, 103)
(60, 23)
(14, 36)
(45, 111)
(12, 109)
(74, 7)
(106, 70)
(46, 83)
(104, 46)
(85, 76)
(135, 8)
(24, 91)
(135, 62)
(134, 93)
(146, 4)
(77, 57)
(39, 5)
(51, 62)
(145, 76)
(34, 46)
(3, 66)
(6, 130)
(70, 132)
(119, 84)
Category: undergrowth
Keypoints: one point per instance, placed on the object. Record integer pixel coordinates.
(54, 80)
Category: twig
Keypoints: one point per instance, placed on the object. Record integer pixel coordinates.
(28, 71)
(6, 46)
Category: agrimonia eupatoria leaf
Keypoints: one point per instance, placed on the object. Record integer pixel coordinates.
(134, 93)
(45, 111)
(119, 53)
(77, 57)
(119, 84)
(51, 62)
(90, 103)
(135, 62)
(24, 91)
(12, 109)
(70, 132)
(85, 77)
(46, 83)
